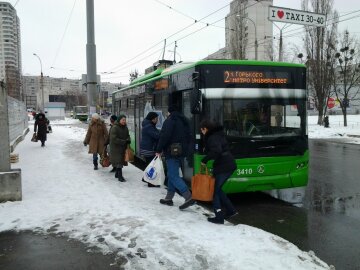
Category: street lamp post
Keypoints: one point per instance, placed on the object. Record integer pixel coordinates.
(256, 41)
(41, 84)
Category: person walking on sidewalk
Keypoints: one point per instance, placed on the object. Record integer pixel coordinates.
(40, 127)
(174, 143)
(113, 119)
(217, 149)
(95, 137)
(119, 140)
(149, 138)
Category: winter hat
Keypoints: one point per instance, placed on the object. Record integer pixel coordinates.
(151, 115)
(173, 108)
(121, 116)
(113, 117)
(95, 116)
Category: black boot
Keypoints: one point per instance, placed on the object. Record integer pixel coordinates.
(168, 202)
(113, 170)
(118, 175)
(188, 200)
(219, 217)
(95, 165)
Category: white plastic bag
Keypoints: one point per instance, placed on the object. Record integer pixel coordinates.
(154, 172)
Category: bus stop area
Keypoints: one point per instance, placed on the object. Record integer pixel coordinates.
(68, 206)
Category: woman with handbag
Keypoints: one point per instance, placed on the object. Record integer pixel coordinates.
(113, 119)
(119, 141)
(217, 149)
(95, 137)
(40, 128)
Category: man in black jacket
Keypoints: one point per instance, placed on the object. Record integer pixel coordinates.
(174, 143)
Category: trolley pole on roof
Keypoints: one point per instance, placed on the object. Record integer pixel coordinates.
(91, 79)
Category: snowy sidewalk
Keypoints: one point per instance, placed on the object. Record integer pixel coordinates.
(62, 194)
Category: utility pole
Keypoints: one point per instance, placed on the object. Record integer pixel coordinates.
(281, 40)
(280, 47)
(175, 52)
(163, 56)
(91, 79)
(41, 84)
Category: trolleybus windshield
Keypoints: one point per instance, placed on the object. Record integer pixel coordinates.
(261, 126)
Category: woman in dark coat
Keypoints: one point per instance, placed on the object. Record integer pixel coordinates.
(149, 138)
(113, 119)
(119, 140)
(217, 149)
(40, 126)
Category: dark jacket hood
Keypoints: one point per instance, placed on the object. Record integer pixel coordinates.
(147, 122)
(216, 130)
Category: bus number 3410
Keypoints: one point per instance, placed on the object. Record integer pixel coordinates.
(244, 171)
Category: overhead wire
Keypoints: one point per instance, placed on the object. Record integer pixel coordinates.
(120, 67)
(172, 35)
(301, 29)
(177, 11)
(63, 36)
(327, 20)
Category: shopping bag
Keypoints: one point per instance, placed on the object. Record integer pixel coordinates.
(105, 159)
(49, 129)
(202, 186)
(154, 172)
(34, 137)
(129, 155)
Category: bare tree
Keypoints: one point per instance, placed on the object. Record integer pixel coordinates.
(319, 44)
(238, 41)
(346, 72)
(133, 75)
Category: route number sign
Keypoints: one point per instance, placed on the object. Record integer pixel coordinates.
(287, 15)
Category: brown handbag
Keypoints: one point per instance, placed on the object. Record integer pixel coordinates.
(202, 186)
(34, 137)
(129, 154)
(105, 159)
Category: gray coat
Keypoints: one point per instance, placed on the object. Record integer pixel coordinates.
(119, 139)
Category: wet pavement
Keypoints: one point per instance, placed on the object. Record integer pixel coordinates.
(329, 221)
(30, 251)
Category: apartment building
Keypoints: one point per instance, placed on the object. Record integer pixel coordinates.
(10, 50)
(248, 32)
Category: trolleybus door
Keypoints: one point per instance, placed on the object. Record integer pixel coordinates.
(137, 123)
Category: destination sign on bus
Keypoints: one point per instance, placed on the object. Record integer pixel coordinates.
(255, 77)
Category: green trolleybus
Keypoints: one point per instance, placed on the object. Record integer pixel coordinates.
(80, 112)
(261, 105)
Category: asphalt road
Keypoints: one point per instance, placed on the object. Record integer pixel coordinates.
(329, 221)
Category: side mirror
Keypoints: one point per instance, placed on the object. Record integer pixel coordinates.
(196, 95)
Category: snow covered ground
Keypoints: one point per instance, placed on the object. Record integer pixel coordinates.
(350, 134)
(62, 194)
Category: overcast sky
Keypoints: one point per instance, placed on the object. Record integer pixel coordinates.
(56, 31)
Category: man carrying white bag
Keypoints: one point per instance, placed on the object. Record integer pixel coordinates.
(154, 172)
